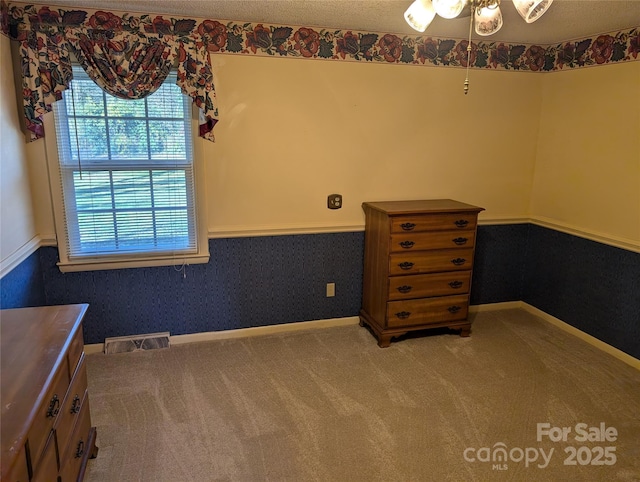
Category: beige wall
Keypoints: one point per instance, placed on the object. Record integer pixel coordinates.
(560, 147)
(17, 227)
(294, 131)
(587, 174)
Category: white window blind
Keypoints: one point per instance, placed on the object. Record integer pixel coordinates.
(126, 168)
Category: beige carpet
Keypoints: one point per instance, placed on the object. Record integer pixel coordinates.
(329, 405)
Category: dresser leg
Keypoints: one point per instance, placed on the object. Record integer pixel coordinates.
(465, 330)
(384, 341)
(93, 453)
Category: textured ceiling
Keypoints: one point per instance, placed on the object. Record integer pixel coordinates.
(565, 19)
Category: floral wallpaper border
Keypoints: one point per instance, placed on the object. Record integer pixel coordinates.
(47, 34)
(232, 37)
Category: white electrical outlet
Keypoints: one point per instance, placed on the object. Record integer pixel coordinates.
(331, 289)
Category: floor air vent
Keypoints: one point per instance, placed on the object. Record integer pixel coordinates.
(123, 344)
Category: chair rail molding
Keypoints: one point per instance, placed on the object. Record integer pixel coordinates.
(19, 255)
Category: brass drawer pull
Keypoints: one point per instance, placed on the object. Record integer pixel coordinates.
(407, 226)
(407, 244)
(460, 241)
(80, 449)
(455, 284)
(461, 223)
(75, 406)
(454, 309)
(458, 261)
(54, 407)
(404, 288)
(403, 315)
(406, 265)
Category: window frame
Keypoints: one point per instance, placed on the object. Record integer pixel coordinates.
(137, 260)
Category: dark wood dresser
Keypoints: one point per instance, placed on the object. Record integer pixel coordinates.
(46, 423)
(418, 259)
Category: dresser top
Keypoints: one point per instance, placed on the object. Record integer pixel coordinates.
(34, 342)
(398, 208)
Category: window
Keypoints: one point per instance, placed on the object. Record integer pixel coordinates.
(126, 175)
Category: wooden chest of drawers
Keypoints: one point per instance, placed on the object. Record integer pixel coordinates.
(46, 422)
(417, 266)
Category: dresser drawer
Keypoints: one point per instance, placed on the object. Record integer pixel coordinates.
(434, 222)
(429, 285)
(75, 350)
(406, 242)
(47, 468)
(78, 445)
(431, 261)
(71, 407)
(427, 310)
(19, 472)
(48, 412)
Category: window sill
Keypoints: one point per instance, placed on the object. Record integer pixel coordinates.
(94, 265)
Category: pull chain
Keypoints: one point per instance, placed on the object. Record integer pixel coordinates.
(466, 81)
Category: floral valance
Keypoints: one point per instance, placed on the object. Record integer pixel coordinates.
(128, 56)
(148, 43)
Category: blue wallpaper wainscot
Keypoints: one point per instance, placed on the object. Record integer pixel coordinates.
(248, 282)
(498, 270)
(591, 286)
(282, 279)
(23, 285)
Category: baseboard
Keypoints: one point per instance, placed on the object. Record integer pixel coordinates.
(264, 330)
(352, 320)
(505, 305)
(246, 332)
(605, 347)
(94, 348)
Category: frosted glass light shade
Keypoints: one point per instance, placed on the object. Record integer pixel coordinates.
(531, 10)
(420, 14)
(448, 8)
(488, 20)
